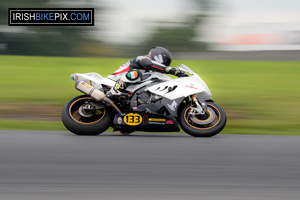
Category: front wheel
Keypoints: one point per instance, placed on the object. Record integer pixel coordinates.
(207, 125)
(85, 122)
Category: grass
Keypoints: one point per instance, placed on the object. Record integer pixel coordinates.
(258, 97)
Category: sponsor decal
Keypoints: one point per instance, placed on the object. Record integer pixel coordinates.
(120, 120)
(157, 123)
(191, 86)
(156, 120)
(173, 105)
(169, 122)
(133, 119)
(86, 85)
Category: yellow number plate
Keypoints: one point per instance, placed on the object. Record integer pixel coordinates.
(133, 119)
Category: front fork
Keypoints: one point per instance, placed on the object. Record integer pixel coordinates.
(201, 107)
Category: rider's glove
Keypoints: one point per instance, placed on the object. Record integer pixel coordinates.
(175, 71)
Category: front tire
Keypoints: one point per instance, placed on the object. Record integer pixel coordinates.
(197, 126)
(94, 123)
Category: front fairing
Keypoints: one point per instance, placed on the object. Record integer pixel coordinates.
(182, 87)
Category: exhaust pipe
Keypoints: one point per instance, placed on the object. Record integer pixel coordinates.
(95, 94)
(90, 90)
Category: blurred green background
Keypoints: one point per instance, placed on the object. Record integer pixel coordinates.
(259, 97)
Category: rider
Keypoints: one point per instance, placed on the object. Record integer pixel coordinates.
(158, 60)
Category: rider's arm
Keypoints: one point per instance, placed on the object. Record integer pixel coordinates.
(148, 64)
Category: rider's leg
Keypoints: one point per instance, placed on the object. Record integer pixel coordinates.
(119, 89)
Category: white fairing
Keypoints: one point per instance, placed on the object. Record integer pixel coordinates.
(183, 87)
(170, 89)
(154, 75)
(94, 79)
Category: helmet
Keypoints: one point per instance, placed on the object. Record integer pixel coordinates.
(161, 55)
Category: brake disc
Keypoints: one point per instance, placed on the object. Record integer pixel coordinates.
(205, 121)
(84, 113)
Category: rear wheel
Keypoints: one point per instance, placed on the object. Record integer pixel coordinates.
(207, 125)
(82, 121)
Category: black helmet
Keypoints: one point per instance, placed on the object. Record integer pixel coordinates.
(161, 55)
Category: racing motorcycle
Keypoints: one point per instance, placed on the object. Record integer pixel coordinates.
(156, 104)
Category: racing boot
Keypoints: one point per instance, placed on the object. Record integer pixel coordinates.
(118, 91)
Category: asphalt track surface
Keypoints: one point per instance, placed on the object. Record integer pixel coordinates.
(60, 165)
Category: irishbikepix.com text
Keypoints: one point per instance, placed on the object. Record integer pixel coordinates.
(51, 16)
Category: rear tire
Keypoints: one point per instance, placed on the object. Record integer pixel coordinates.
(201, 129)
(92, 125)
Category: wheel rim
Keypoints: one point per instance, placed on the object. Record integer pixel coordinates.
(75, 114)
(202, 119)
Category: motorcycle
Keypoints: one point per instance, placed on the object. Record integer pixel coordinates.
(156, 104)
